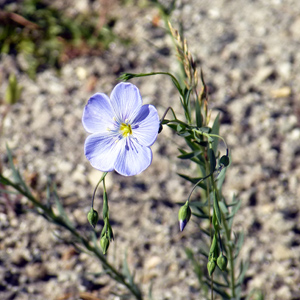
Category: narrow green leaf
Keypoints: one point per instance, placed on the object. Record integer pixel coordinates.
(206, 129)
(233, 203)
(16, 174)
(172, 126)
(212, 160)
(239, 243)
(60, 208)
(215, 130)
(220, 291)
(243, 269)
(225, 277)
(199, 204)
(200, 216)
(221, 178)
(199, 119)
(203, 252)
(233, 212)
(8, 192)
(223, 207)
(184, 133)
(189, 155)
(150, 296)
(196, 265)
(4, 181)
(179, 127)
(126, 271)
(187, 94)
(207, 233)
(217, 208)
(193, 180)
(220, 284)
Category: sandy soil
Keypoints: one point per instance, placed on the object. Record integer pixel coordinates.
(249, 51)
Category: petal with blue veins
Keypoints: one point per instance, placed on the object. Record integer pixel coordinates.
(126, 101)
(102, 151)
(145, 125)
(98, 114)
(133, 158)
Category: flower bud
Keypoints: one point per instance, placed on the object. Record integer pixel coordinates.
(222, 262)
(224, 160)
(110, 233)
(211, 265)
(214, 246)
(92, 217)
(184, 215)
(104, 243)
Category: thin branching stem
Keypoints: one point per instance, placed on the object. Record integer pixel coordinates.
(58, 220)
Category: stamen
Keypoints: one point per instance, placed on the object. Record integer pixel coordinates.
(125, 129)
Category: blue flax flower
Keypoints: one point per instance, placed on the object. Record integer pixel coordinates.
(122, 131)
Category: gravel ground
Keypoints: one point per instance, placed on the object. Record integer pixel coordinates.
(249, 51)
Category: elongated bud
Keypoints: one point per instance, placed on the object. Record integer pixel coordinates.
(104, 243)
(92, 217)
(211, 266)
(110, 233)
(222, 262)
(214, 245)
(184, 215)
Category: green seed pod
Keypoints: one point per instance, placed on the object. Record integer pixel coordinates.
(104, 243)
(222, 262)
(92, 217)
(184, 215)
(224, 160)
(211, 265)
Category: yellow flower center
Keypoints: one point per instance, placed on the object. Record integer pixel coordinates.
(125, 129)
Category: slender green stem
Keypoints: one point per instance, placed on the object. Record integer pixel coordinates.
(127, 76)
(230, 257)
(95, 250)
(218, 136)
(102, 178)
(105, 204)
(179, 122)
(92, 248)
(197, 185)
(230, 249)
(165, 113)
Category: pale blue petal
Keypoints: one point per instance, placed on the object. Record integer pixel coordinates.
(133, 158)
(98, 114)
(126, 101)
(102, 151)
(145, 126)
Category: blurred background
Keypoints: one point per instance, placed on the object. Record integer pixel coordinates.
(56, 54)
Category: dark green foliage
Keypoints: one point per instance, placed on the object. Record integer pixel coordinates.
(46, 36)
